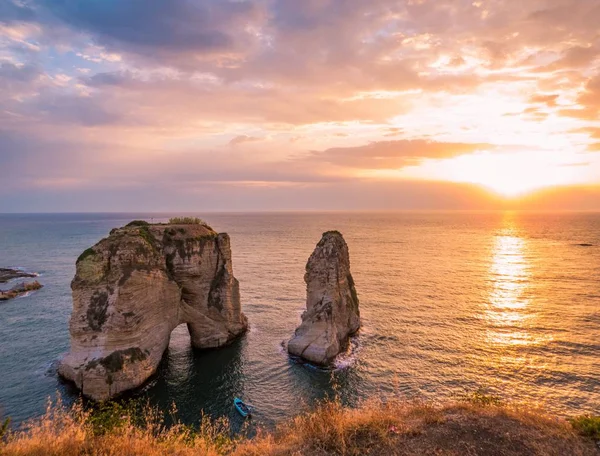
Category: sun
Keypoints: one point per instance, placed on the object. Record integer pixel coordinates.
(510, 175)
(509, 184)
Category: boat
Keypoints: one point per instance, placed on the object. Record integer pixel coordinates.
(242, 408)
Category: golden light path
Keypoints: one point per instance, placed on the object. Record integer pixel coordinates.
(508, 312)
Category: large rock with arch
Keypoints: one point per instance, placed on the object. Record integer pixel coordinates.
(133, 288)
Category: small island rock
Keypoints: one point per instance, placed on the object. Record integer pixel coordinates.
(19, 289)
(332, 313)
(10, 274)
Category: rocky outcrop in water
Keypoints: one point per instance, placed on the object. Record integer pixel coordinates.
(19, 289)
(10, 274)
(332, 313)
(133, 288)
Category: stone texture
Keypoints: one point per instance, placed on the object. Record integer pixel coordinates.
(332, 313)
(133, 288)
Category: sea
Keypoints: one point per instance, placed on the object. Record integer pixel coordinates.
(452, 303)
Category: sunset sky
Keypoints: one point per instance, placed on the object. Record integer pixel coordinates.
(199, 105)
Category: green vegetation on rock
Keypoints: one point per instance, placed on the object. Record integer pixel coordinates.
(86, 253)
(148, 237)
(4, 427)
(187, 221)
(587, 425)
(481, 397)
(138, 223)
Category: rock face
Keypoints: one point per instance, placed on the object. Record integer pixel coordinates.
(133, 288)
(332, 313)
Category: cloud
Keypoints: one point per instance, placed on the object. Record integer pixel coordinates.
(394, 131)
(12, 75)
(575, 164)
(393, 154)
(592, 132)
(115, 78)
(191, 82)
(321, 53)
(588, 101)
(72, 109)
(156, 29)
(575, 57)
(240, 139)
(595, 147)
(548, 100)
(11, 11)
(161, 94)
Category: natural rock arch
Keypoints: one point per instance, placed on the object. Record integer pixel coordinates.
(133, 288)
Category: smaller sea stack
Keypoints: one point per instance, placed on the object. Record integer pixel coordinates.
(332, 314)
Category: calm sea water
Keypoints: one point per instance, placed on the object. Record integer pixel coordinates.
(450, 302)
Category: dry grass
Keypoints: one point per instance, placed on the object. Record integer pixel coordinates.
(376, 428)
(417, 428)
(187, 221)
(71, 432)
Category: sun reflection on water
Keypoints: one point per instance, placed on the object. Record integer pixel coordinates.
(509, 310)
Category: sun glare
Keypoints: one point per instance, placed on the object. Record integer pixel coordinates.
(510, 174)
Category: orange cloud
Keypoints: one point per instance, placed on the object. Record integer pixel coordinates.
(393, 154)
(240, 139)
(200, 78)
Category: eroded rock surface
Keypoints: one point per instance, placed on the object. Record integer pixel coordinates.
(133, 288)
(332, 314)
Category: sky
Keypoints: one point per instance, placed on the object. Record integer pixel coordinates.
(250, 105)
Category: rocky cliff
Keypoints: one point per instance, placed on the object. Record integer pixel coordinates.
(133, 288)
(332, 313)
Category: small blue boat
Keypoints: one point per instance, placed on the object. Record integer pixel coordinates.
(242, 408)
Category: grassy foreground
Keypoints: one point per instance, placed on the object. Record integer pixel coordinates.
(476, 426)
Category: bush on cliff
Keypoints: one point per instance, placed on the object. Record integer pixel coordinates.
(186, 221)
(587, 425)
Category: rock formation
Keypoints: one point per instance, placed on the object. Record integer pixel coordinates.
(332, 314)
(133, 288)
(19, 289)
(9, 274)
